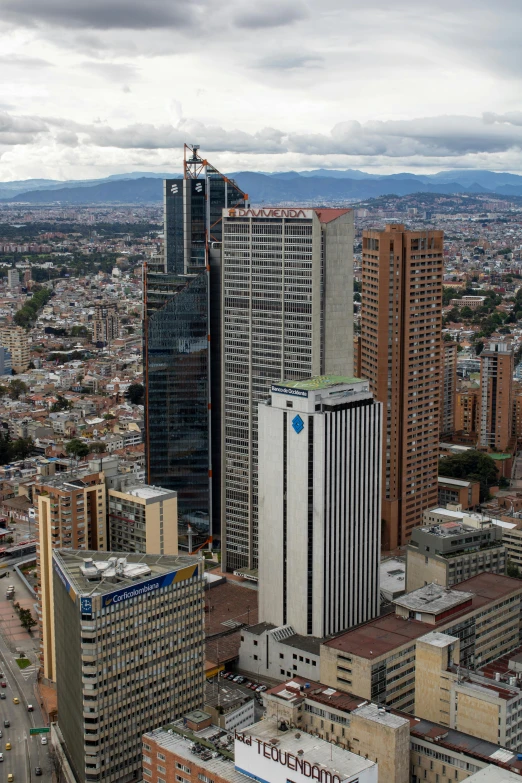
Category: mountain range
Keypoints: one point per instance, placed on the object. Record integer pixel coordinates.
(316, 186)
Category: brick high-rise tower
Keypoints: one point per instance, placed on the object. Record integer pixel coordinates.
(401, 357)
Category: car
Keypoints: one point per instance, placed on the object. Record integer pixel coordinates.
(1, 735)
(44, 741)
(223, 674)
(261, 688)
(3, 684)
(8, 746)
(7, 723)
(2, 695)
(30, 708)
(1, 756)
(16, 700)
(248, 684)
(254, 686)
(10, 778)
(37, 771)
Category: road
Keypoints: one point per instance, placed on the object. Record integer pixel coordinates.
(27, 752)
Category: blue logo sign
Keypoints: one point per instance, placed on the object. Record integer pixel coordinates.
(142, 588)
(298, 424)
(86, 605)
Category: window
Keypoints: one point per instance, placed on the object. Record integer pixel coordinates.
(282, 671)
(204, 778)
(161, 769)
(147, 772)
(161, 757)
(182, 766)
(147, 747)
(281, 655)
(147, 759)
(255, 643)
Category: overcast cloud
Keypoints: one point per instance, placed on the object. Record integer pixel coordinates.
(107, 86)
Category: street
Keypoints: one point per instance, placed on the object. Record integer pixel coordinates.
(27, 752)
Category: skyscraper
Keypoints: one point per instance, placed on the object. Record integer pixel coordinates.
(319, 505)
(401, 319)
(182, 344)
(496, 391)
(287, 313)
(105, 323)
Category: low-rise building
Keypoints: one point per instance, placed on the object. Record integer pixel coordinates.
(278, 652)
(143, 519)
(447, 551)
(458, 491)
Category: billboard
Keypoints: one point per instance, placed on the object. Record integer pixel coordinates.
(63, 579)
(142, 588)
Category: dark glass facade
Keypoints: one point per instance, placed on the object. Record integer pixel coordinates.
(176, 378)
(182, 347)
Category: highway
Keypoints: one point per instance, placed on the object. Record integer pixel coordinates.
(27, 752)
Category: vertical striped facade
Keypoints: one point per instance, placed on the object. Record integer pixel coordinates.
(320, 508)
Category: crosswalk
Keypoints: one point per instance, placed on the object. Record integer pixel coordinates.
(29, 671)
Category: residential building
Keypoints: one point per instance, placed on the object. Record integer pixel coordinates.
(143, 519)
(70, 514)
(448, 388)
(287, 314)
(467, 411)
(447, 550)
(377, 660)
(15, 340)
(182, 345)
(105, 323)
(401, 356)
(13, 278)
(251, 754)
(496, 398)
(458, 492)
(112, 683)
(319, 505)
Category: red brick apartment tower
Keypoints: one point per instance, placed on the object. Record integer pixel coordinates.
(401, 345)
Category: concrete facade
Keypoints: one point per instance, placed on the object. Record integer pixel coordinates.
(143, 519)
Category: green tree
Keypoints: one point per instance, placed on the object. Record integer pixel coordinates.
(472, 465)
(21, 448)
(61, 404)
(466, 312)
(77, 448)
(135, 393)
(17, 388)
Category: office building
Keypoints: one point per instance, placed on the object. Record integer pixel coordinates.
(401, 357)
(190, 753)
(70, 513)
(458, 492)
(448, 388)
(6, 365)
(319, 505)
(182, 346)
(447, 551)
(143, 519)
(496, 398)
(13, 278)
(287, 313)
(15, 340)
(377, 659)
(114, 683)
(105, 323)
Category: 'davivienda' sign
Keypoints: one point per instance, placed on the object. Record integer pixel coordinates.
(268, 213)
(295, 763)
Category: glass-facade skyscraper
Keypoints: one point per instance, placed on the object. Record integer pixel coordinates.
(182, 345)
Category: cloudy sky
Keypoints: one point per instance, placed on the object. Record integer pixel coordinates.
(96, 87)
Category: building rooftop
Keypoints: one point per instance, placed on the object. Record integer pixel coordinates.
(318, 382)
(71, 563)
(147, 492)
(380, 636)
(433, 599)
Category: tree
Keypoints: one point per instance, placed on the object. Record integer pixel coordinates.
(479, 347)
(17, 388)
(135, 393)
(61, 404)
(109, 416)
(77, 448)
(466, 312)
(472, 465)
(21, 448)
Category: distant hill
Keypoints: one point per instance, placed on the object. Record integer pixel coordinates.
(319, 186)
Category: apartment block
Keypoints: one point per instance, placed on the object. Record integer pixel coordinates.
(401, 355)
(194, 752)
(496, 393)
(113, 684)
(15, 340)
(13, 278)
(287, 313)
(377, 660)
(143, 519)
(70, 514)
(319, 505)
(105, 323)
(448, 388)
(447, 551)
